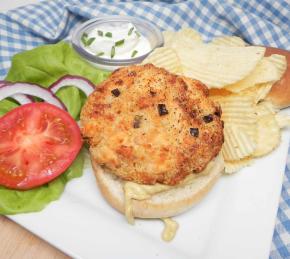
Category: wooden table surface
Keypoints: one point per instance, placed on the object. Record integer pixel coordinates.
(18, 243)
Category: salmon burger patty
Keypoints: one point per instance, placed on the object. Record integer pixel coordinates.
(149, 126)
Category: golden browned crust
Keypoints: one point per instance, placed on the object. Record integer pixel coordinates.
(129, 137)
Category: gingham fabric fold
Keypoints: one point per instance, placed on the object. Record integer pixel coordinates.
(258, 22)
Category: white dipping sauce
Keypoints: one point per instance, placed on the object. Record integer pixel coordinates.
(122, 41)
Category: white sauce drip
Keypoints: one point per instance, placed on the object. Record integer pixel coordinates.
(170, 228)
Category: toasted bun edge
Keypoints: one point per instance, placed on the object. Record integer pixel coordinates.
(162, 205)
(280, 91)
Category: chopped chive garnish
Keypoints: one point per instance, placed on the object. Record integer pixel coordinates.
(113, 51)
(109, 34)
(90, 41)
(119, 43)
(138, 34)
(130, 31)
(84, 38)
(100, 54)
(100, 33)
(134, 53)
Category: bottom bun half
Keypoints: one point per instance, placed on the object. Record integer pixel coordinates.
(164, 204)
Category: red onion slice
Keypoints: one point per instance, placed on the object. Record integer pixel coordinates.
(80, 82)
(22, 98)
(9, 90)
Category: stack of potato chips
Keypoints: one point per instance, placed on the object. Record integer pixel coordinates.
(239, 77)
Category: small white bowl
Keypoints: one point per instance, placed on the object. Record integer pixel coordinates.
(149, 30)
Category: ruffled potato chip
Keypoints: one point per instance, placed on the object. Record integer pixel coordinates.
(238, 143)
(186, 37)
(238, 110)
(165, 57)
(265, 108)
(264, 72)
(268, 135)
(189, 34)
(218, 66)
(231, 41)
(259, 92)
(234, 166)
(280, 63)
(168, 37)
(282, 120)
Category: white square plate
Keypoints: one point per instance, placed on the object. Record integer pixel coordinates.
(235, 220)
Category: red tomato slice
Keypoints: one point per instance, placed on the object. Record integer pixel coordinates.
(38, 142)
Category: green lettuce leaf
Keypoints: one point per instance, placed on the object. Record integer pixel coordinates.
(6, 106)
(14, 202)
(71, 98)
(46, 64)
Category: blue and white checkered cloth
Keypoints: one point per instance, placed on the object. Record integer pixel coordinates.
(259, 22)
